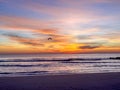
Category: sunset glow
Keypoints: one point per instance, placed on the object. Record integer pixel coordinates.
(75, 26)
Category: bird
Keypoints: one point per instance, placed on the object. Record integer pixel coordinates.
(49, 38)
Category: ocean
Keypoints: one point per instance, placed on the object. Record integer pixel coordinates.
(52, 64)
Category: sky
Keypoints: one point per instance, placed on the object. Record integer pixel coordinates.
(74, 26)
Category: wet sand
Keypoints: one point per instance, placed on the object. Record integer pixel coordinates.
(99, 81)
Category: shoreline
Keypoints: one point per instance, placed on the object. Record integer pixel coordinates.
(57, 74)
(88, 81)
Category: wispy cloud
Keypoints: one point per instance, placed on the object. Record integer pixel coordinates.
(21, 23)
(23, 40)
(89, 47)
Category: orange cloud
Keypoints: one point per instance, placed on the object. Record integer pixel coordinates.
(47, 31)
(21, 23)
(55, 35)
(25, 41)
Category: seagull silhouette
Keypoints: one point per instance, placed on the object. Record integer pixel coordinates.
(49, 38)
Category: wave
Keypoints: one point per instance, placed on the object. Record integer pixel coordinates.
(27, 73)
(87, 62)
(106, 66)
(37, 65)
(57, 60)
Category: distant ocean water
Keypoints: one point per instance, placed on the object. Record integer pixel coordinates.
(44, 64)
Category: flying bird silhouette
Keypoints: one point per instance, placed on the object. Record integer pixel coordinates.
(49, 38)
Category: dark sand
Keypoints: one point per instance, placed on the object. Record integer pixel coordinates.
(103, 81)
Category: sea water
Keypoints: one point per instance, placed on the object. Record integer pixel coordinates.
(50, 64)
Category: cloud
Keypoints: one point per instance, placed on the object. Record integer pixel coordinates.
(40, 37)
(46, 31)
(23, 40)
(21, 23)
(113, 35)
(37, 27)
(55, 34)
(89, 47)
(26, 41)
(70, 23)
(69, 12)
